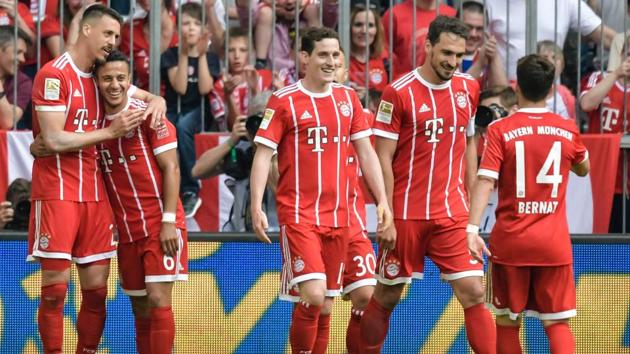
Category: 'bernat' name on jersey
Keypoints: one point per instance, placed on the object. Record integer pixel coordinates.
(537, 207)
(540, 130)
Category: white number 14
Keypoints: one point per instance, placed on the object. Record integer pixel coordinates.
(551, 162)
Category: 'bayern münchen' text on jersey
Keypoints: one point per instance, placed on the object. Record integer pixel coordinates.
(531, 153)
(312, 132)
(74, 176)
(431, 124)
(134, 179)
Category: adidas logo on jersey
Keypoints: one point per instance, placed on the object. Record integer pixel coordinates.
(305, 115)
(77, 93)
(424, 108)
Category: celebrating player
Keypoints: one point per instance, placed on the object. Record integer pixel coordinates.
(529, 154)
(311, 124)
(68, 182)
(424, 130)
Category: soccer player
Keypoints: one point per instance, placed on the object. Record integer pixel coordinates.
(529, 155)
(311, 124)
(142, 181)
(424, 139)
(66, 112)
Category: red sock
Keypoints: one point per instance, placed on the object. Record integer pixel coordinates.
(143, 335)
(374, 326)
(353, 333)
(507, 340)
(91, 320)
(162, 330)
(303, 331)
(50, 317)
(323, 332)
(480, 330)
(561, 339)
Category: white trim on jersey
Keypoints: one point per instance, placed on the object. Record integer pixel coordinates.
(338, 158)
(585, 156)
(146, 160)
(413, 151)
(264, 141)
(534, 110)
(460, 181)
(122, 207)
(94, 257)
(360, 135)
(166, 147)
(319, 165)
(470, 130)
(347, 289)
(488, 173)
(98, 112)
(460, 275)
(133, 187)
(304, 277)
(429, 85)
(402, 81)
(450, 152)
(41, 108)
(142, 292)
(354, 204)
(385, 134)
(165, 278)
(285, 90)
(314, 94)
(80, 174)
(428, 206)
(78, 72)
(75, 68)
(296, 159)
(60, 175)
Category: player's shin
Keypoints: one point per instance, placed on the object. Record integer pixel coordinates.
(91, 320)
(374, 327)
(507, 340)
(304, 327)
(480, 329)
(162, 330)
(353, 333)
(323, 333)
(50, 317)
(561, 340)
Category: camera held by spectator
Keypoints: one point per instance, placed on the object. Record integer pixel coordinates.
(18, 195)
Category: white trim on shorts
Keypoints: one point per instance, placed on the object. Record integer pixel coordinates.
(503, 311)
(395, 281)
(165, 278)
(333, 293)
(289, 298)
(417, 275)
(142, 292)
(551, 316)
(347, 289)
(304, 277)
(34, 257)
(460, 275)
(94, 257)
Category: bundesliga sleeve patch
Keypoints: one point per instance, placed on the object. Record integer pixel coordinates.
(384, 114)
(267, 118)
(51, 89)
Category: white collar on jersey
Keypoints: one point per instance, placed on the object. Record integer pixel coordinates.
(112, 116)
(534, 110)
(314, 94)
(75, 68)
(442, 86)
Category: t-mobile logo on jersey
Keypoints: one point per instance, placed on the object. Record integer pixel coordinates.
(433, 128)
(81, 120)
(610, 117)
(318, 136)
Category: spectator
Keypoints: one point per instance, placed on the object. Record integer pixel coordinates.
(240, 82)
(15, 211)
(613, 14)
(472, 15)
(6, 214)
(590, 26)
(616, 45)
(561, 101)
(367, 31)
(140, 50)
(403, 33)
(603, 96)
(261, 11)
(9, 73)
(23, 16)
(494, 103)
(189, 79)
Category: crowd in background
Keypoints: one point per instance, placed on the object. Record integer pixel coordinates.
(209, 87)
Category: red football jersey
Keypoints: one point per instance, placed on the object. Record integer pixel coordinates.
(608, 118)
(357, 201)
(312, 132)
(239, 95)
(61, 87)
(430, 123)
(134, 178)
(376, 67)
(531, 153)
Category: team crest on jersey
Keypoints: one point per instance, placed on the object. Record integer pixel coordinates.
(384, 113)
(344, 108)
(461, 100)
(298, 264)
(376, 76)
(267, 118)
(130, 134)
(392, 267)
(162, 131)
(51, 89)
(43, 241)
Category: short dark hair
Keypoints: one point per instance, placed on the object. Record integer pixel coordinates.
(446, 24)
(312, 35)
(113, 56)
(534, 77)
(6, 36)
(473, 6)
(192, 9)
(100, 10)
(237, 32)
(506, 95)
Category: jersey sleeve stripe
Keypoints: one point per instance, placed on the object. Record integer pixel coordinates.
(164, 148)
(266, 142)
(385, 134)
(50, 108)
(585, 156)
(360, 135)
(488, 173)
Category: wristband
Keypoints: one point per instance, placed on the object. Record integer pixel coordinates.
(168, 218)
(473, 229)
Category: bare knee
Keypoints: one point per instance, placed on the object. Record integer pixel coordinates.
(469, 291)
(327, 306)
(361, 296)
(547, 323)
(506, 321)
(140, 306)
(313, 292)
(388, 296)
(159, 296)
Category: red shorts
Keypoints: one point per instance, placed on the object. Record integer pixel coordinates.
(83, 232)
(360, 262)
(442, 240)
(312, 252)
(143, 261)
(544, 292)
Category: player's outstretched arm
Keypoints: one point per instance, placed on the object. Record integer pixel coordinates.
(57, 140)
(478, 202)
(210, 163)
(257, 183)
(169, 165)
(592, 98)
(582, 169)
